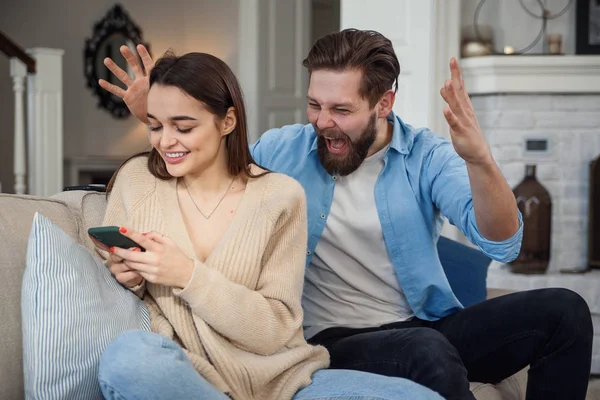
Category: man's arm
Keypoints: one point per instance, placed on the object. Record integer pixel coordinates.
(494, 203)
(452, 187)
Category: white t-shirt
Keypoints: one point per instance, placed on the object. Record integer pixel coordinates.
(351, 281)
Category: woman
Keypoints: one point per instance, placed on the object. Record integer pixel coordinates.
(223, 266)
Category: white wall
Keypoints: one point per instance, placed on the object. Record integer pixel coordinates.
(512, 25)
(208, 26)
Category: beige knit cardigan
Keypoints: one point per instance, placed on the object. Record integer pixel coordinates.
(239, 319)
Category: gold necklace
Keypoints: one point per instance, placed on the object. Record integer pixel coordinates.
(218, 204)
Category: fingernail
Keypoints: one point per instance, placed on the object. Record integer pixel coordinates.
(123, 229)
(112, 249)
(136, 249)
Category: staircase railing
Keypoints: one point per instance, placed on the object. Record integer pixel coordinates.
(21, 63)
(39, 71)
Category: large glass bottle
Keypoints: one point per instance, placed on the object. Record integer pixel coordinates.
(535, 204)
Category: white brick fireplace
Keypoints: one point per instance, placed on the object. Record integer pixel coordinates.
(545, 99)
(571, 126)
(552, 101)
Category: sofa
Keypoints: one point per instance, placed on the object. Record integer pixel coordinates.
(76, 210)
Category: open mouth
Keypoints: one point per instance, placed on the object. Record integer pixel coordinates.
(174, 158)
(336, 145)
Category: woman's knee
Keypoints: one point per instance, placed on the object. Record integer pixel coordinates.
(128, 353)
(357, 384)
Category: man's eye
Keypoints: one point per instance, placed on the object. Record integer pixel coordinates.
(342, 111)
(313, 105)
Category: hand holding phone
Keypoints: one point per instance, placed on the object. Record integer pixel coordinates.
(127, 276)
(163, 262)
(105, 237)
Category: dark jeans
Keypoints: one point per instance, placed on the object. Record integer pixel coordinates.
(548, 329)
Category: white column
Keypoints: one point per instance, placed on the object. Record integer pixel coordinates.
(45, 131)
(18, 72)
(447, 26)
(247, 69)
(446, 36)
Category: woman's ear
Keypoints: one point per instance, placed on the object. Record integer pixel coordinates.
(229, 122)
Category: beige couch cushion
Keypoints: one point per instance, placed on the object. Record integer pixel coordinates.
(512, 388)
(16, 216)
(88, 208)
(485, 391)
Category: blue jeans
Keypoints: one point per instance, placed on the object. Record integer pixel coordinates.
(143, 365)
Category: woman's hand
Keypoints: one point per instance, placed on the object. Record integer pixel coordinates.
(163, 262)
(124, 274)
(136, 95)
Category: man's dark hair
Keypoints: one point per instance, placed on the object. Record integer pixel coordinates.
(367, 51)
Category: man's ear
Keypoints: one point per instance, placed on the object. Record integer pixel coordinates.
(386, 103)
(229, 122)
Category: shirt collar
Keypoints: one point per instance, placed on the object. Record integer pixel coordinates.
(402, 137)
(314, 144)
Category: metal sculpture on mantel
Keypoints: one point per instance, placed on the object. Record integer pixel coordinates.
(544, 15)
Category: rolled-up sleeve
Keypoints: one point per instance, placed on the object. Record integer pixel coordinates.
(451, 193)
(503, 251)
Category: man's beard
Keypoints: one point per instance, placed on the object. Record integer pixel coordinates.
(337, 164)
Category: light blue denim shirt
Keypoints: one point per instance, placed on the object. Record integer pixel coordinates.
(423, 180)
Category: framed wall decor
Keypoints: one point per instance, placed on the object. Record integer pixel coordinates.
(587, 27)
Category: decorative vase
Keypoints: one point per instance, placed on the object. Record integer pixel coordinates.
(535, 205)
(594, 215)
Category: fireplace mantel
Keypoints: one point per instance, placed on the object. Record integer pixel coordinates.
(531, 74)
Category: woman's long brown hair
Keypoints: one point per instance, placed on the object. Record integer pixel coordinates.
(210, 81)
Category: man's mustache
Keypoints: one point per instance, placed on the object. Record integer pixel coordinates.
(329, 134)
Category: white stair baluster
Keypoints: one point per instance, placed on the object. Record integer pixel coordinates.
(18, 72)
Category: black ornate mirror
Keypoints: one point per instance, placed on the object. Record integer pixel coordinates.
(110, 33)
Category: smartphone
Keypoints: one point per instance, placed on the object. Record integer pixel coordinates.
(110, 236)
(91, 187)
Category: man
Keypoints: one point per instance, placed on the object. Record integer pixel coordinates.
(377, 190)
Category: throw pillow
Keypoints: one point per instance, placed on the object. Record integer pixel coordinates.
(72, 308)
(466, 269)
